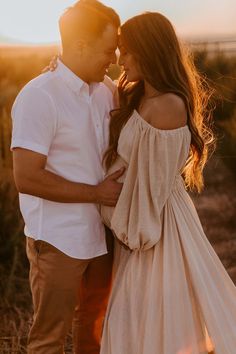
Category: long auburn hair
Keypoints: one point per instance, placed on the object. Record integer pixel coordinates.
(168, 67)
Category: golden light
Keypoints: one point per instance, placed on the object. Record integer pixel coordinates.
(32, 20)
(36, 21)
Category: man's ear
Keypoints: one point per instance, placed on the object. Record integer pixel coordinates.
(79, 46)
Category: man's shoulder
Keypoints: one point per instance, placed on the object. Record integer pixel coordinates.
(36, 93)
(40, 82)
(38, 86)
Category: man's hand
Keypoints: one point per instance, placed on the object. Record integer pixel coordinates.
(109, 190)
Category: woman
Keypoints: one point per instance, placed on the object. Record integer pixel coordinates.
(170, 290)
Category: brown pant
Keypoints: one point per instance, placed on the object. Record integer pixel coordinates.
(67, 291)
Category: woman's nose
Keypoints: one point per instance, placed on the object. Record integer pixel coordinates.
(121, 60)
(114, 59)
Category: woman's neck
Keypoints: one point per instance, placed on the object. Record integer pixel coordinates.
(150, 91)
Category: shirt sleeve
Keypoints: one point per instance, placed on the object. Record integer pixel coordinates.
(154, 166)
(34, 120)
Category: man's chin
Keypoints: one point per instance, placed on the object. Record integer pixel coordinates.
(100, 78)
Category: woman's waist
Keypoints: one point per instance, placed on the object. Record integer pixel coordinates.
(107, 211)
(119, 163)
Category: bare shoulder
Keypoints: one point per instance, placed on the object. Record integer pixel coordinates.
(166, 112)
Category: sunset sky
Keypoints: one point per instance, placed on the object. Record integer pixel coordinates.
(35, 21)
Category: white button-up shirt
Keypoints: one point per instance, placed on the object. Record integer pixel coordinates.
(62, 117)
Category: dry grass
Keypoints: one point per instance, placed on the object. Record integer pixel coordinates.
(15, 303)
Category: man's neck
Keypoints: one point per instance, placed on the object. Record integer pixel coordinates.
(70, 63)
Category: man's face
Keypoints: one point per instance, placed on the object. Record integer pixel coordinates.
(100, 53)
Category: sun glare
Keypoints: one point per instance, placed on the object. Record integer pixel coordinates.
(36, 21)
(32, 21)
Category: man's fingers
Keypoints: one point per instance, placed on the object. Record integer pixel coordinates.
(117, 173)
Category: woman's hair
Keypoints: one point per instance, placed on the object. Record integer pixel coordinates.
(87, 18)
(168, 67)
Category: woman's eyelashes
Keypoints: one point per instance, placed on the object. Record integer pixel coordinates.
(123, 53)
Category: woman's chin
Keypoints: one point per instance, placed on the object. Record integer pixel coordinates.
(131, 78)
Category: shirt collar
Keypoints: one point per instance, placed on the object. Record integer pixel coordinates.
(74, 82)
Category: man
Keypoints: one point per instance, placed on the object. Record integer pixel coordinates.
(60, 132)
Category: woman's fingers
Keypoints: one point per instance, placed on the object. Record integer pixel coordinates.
(52, 65)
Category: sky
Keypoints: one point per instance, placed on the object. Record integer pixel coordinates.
(36, 21)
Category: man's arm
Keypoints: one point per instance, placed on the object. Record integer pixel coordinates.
(32, 178)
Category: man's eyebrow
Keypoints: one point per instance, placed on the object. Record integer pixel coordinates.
(121, 47)
(112, 49)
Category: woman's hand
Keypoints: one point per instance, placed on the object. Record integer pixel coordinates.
(52, 65)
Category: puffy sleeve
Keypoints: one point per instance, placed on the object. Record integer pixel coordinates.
(155, 163)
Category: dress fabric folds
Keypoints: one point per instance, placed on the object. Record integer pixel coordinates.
(170, 294)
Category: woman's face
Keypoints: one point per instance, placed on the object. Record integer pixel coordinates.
(129, 64)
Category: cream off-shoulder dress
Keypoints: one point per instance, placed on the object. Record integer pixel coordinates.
(170, 290)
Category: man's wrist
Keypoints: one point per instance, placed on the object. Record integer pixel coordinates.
(94, 194)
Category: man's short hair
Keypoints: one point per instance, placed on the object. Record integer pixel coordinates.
(87, 18)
